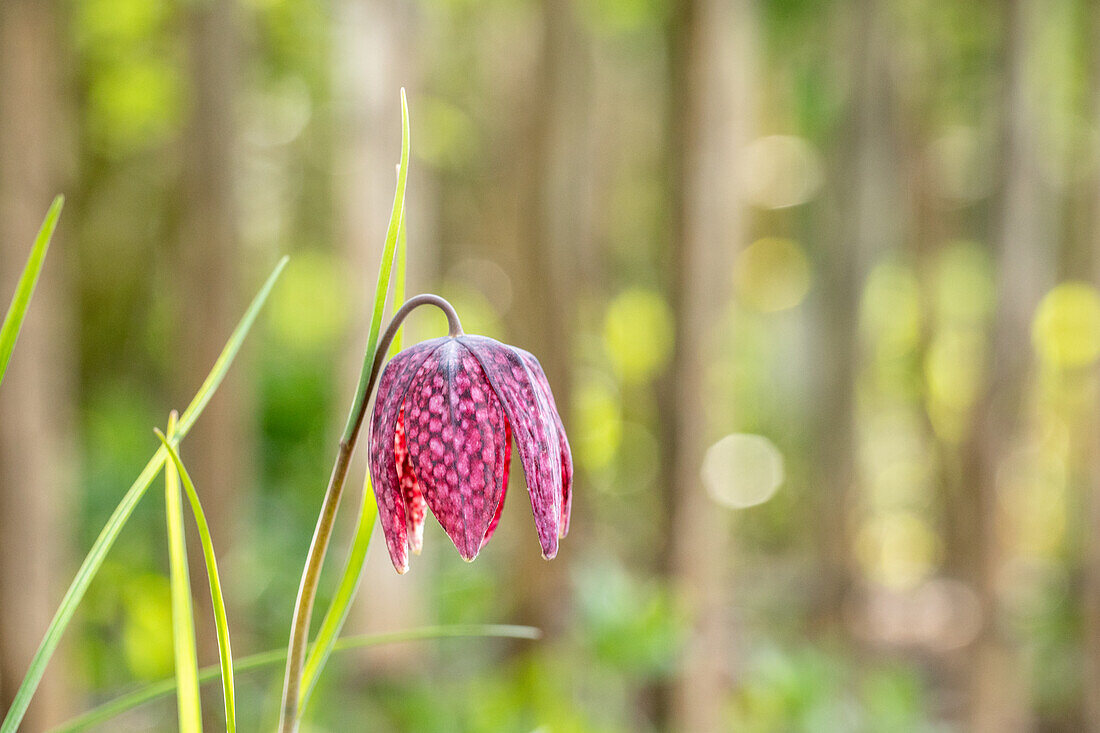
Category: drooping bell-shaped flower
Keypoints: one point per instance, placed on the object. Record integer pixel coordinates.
(440, 439)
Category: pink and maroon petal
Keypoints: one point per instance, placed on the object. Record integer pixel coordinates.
(392, 386)
(566, 455)
(532, 421)
(455, 429)
(504, 482)
(415, 507)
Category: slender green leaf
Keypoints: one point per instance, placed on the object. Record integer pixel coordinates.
(188, 704)
(399, 284)
(225, 652)
(13, 321)
(340, 604)
(164, 688)
(394, 252)
(397, 215)
(122, 512)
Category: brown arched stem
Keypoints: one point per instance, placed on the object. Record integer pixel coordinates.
(311, 574)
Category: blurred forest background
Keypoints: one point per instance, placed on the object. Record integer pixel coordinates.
(815, 284)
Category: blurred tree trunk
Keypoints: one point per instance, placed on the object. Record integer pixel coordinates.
(36, 442)
(219, 452)
(550, 169)
(997, 680)
(712, 59)
(867, 226)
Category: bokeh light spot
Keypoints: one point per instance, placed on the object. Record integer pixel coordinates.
(279, 114)
(940, 614)
(115, 22)
(134, 105)
(479, 314)
(488, 278)
(621, 17)
(953, 367)
(897, 549)
(772, 274)
(447, 137)
(742, 470)
(638, 334)
(1066, 331)
(599, 428)
(781, 171)
(964, 288)
(891, 309)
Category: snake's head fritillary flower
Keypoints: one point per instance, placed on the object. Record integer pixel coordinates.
(441, 435)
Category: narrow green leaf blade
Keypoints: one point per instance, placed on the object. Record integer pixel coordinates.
(225, 651)
(13, 321)
(164, 688)
(340, 605)
(94, 559)
(188, 704)
(399, 284)
(397, 215)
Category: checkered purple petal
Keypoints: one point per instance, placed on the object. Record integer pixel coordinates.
(456, 433)
(535, 368)
(533, 426)
(392, 385)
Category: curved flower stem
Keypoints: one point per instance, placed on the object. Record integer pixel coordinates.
(307, 589)
(454, 327)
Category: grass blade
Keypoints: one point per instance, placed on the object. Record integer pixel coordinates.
(275, 657)
(189, 707)
(393, 257)
(225, 652)
(13, 321)
(397, 216)
(340, 604)
(122, 512)
(399, 283)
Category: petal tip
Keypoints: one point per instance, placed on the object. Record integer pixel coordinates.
(549, 543)
(400, 559)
